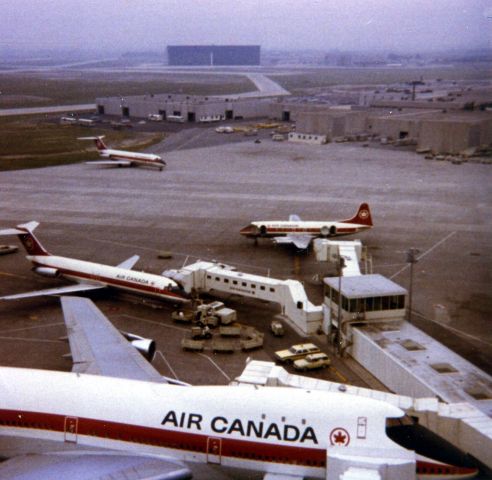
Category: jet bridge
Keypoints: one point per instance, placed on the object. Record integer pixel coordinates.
(461, 424)
(334, 250)
(208, 277)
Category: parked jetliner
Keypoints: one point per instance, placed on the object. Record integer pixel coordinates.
(301, 233)
(89, 275)
(114, 417)
(123, 158)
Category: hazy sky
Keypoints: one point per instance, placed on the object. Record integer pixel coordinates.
(301, 24)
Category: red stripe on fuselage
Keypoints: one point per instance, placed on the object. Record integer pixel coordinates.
(113, 282)
(231, 448)
(159, 437)
(444, 470)
(317, 231)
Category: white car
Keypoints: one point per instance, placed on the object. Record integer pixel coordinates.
(225, 129)
(312, 362)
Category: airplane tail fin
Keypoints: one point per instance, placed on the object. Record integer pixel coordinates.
(27, 237)
(100, 145)
(363, 216)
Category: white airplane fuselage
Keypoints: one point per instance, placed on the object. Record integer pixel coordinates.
(147, 284)
(271, 228)
(261, 429)
(137, 158)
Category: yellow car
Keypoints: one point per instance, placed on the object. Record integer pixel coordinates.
(296, 351)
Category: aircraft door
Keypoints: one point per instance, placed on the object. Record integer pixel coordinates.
(214, 450)
(71, 426)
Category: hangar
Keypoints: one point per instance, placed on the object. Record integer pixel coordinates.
(182, 55)
(184, 108)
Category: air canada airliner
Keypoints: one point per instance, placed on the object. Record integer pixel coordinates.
(90, 275)
(123, 158)
(114, 416)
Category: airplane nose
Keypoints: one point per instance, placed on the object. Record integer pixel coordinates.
(180, 291)
(249, 231)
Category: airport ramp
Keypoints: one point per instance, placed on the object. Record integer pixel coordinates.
(208, 277)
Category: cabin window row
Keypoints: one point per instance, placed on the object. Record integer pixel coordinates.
(242, 284)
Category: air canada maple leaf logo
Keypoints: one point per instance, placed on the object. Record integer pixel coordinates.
(340, 437)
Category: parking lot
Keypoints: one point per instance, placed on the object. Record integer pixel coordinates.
(195, 208)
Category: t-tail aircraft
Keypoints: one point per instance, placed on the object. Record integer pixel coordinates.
(301, 233)
(123, 158)
(89, 275)
(115, 416)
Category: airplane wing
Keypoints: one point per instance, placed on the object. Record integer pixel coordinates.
(80, 287)
(294, 218)
(129, 263)
(300, 241)
(98, 347)
(113, 163)
(92, 466)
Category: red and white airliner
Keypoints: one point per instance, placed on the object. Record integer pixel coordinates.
(123, 158)
(89, 275)
(300, 233)
(122, 420)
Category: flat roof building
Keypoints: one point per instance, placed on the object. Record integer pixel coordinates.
(187, 55)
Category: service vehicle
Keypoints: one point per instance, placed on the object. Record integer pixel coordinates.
(277, 328)
(155, 117)
(296, 351)
(226, 315)
(312, 362)
(183, 316)
(199, 332)
(252, 343)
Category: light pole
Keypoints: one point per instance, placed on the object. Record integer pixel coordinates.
(338, 336)
(411, 259)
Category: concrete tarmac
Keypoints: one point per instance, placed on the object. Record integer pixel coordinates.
(195, 208)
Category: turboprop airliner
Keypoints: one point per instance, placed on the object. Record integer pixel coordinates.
(114, 416)
(89, 275)
(300, 233)
(123, 158)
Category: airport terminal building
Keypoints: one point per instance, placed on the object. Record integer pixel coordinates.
(213, 55)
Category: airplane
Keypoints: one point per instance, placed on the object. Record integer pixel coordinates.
(123, 158)
(301, 233)
(88, 275)
(115, 416)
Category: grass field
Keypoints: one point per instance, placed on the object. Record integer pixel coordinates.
(296, 82)
(30, 142)
(72, 87)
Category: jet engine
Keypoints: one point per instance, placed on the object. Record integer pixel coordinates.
(145, 346)
(47, 271)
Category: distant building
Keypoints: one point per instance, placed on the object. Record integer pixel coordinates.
(182, 55)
